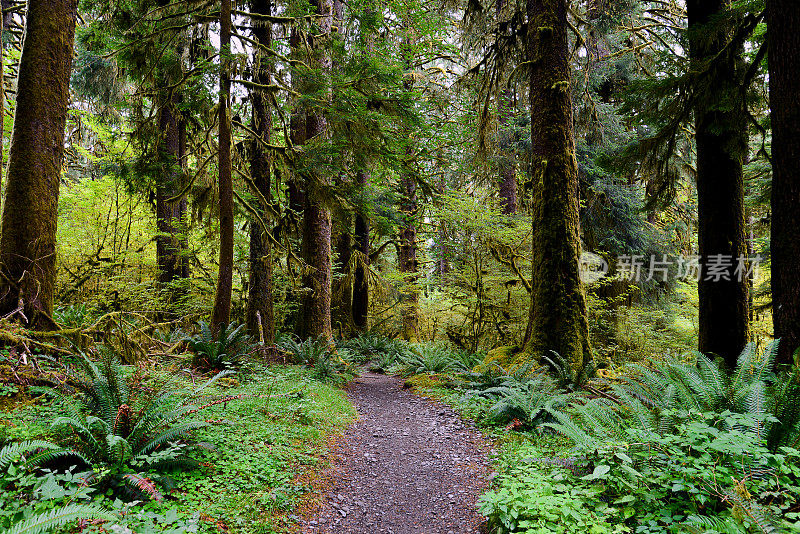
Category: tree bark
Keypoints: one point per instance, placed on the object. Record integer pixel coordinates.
(221, 314)
(558, 316)
(171, 216)
(30, 209)
(505, 158)
(783, 34)
(260, 313)
(360, 306)
(721, 137)
(317, 224)
(408, 232)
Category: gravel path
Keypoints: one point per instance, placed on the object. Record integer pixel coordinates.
(408, 466)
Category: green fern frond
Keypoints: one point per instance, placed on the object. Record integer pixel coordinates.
(49, 521)
(169, 435)
(11, 451)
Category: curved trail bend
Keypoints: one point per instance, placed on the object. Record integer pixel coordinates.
(407, 466)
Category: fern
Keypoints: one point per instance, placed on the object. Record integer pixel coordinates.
(224, 349)
(49, 521)
(11, 451)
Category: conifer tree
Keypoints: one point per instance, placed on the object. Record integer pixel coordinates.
(30, 208)
(783, 27)
(221, 313)
(558, 316)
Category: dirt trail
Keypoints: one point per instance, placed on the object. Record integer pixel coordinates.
(408, 466)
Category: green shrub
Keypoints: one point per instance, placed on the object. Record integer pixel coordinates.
(325, 362)
(536, 501)
(121, 428)
(31, 503)
(381, 351)
(221, 350)
(437, 358)
(650, 398)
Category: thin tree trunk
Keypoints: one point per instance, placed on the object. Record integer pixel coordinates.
(558, 316)
(360, 306)
(721, 137)
(260, 313)
(221, 314)
(783, 27)
(316, 216)
(505, 158)
(30, 209)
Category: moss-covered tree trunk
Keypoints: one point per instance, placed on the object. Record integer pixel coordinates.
(783, 27)
(30, 208)
(721, 137)
(221, 314)
(260, 314)
(171, 256)
(317, 226)
(558, 316)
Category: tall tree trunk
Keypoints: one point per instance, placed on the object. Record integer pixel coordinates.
(360, 306)
(171, 216)
(408, 254)
(408, 232)
(721, 137)
(783, 27)
(260, 314)
(316, 216)
(558, 316)
(505, 158)
(221, 314)
(30, 209)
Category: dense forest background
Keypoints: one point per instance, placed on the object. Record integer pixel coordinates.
(426, 170)
(568, 218)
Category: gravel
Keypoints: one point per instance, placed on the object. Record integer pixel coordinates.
(407, 466)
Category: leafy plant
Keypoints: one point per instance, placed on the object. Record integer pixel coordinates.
(326, 363)
(123, 428)
(370, 346)
(430, 358)
(651, 398)
(48, 521)
(220, 350)
(524, 403)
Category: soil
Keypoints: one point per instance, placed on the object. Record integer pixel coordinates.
(409, 465)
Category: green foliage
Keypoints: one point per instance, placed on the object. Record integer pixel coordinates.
(217, 351)
(124, 427)
(524, 401)
(326, 363)
(533, 501)
(435, 358)
(710, 472)
(651, 397)
(370, 346)
(48, 521)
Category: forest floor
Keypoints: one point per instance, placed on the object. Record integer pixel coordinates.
(409, 465)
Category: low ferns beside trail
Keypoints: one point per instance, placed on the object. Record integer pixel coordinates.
(122, 428)
(325, 362)
(434, 358)
(217, 351)
(651, 398)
